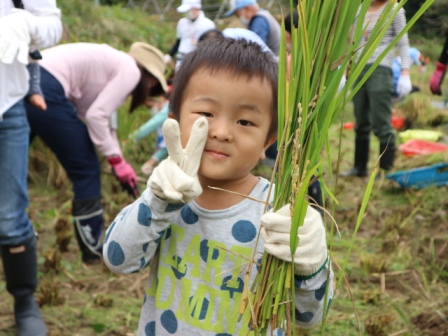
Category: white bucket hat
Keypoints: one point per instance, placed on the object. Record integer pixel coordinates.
(189, 4)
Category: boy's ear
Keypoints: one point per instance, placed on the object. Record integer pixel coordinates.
(266, 145)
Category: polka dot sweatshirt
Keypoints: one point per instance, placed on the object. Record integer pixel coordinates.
(197, 276)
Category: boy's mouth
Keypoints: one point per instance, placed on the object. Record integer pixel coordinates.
(216, 154)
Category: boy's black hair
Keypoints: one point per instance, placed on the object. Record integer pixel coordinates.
(210, 33)
(291, 20)
(238, 57)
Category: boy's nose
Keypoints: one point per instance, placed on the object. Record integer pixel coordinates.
(220, 130)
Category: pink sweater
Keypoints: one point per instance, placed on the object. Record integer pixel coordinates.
(97, 79)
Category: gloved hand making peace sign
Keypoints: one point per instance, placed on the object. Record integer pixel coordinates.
(176, 178)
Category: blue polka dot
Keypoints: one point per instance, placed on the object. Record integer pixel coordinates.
(188, 215)
(258, 264)
(142, 263)
(320, 293)
(304, 317)
(150, 329)
(224, 334)
(145, 247)
(228, 284)
(203, 250)
(269, 208)
(265, 187)
(297, 281)
(244, 231)
(144, 299)
(180, 270)
(168, 233)
(329, 304)
(169, 321)
(196, 305)
(115, 254)
(174, 207)
(109, 231)
(144, 215)
(161, 233)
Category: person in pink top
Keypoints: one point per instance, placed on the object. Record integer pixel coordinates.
(84, 84)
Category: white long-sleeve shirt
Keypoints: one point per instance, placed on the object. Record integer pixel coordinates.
(45, 30)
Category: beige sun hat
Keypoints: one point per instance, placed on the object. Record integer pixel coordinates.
(151, 59)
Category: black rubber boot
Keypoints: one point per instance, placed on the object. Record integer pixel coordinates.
(20, 266)
(361, 158)
(388, 156)
(88, 221)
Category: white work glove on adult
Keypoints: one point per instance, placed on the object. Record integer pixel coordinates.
(404, 85)
(176, 178)
(311, 252)
(15, 36)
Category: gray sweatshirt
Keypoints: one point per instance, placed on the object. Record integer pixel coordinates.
(196, 283)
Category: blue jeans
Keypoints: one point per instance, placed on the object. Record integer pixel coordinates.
(68, 138)
(15, 227)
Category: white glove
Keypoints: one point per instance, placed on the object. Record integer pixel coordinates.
(342, 83)
(404, 86)
(15, 36)
(167, 58)
(176, 178)
(311, 252)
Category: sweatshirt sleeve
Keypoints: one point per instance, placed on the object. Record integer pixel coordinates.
(46, 28)
(110, 99)
(310, 297)
(403, 44)
(152, 124)
(133, 237)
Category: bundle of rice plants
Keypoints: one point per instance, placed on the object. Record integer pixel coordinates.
(309, 102)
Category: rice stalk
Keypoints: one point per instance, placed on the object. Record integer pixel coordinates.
(308, 104)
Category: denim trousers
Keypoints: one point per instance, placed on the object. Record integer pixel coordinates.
(15, 226)
(68, 138)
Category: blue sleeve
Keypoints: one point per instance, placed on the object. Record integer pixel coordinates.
(259, 25)
(152, 124)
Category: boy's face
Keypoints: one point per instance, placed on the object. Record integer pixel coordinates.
(238, 110)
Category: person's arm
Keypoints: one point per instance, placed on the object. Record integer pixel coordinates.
(404, 85)
(34, 71)
(174, 48)
(108, 100)
(444, 55)
(311, 261)
(259, 25)
(438, 75)
(398, 25)
(133, 237)
(310, 297)
(37, 25)
(46, 27)
(151, 125)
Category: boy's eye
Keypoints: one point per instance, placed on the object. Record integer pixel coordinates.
(205, 114)
(245, 123)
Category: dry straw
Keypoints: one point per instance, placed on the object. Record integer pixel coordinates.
(325, 46)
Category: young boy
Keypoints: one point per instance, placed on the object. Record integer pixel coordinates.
(224, 103)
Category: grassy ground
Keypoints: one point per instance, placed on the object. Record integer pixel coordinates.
(396, 276)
